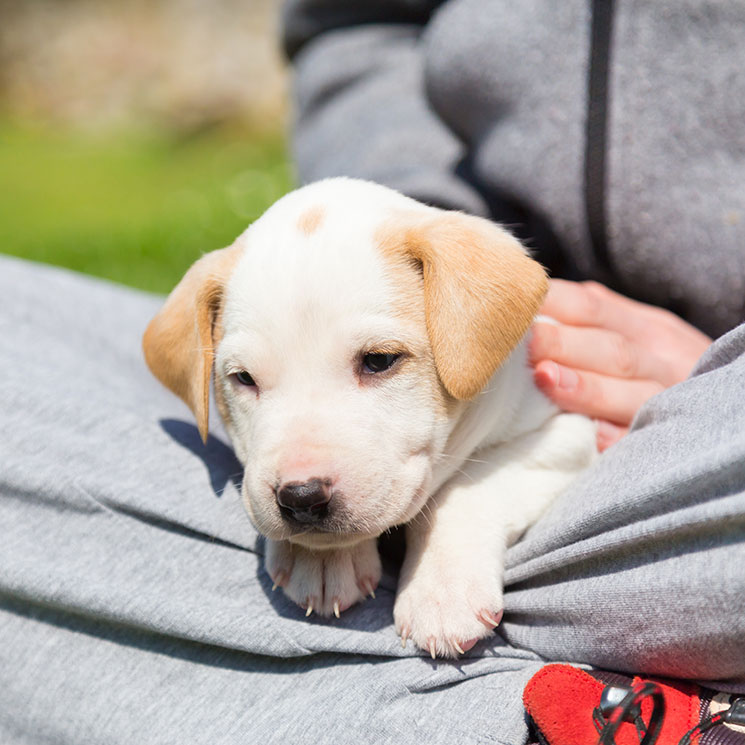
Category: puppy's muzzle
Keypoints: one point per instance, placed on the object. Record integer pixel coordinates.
(304, 502)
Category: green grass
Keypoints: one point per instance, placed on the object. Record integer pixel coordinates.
(134, 208)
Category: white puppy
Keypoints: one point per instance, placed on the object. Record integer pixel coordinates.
(369, 363)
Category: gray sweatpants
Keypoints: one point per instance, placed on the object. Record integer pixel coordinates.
(134, 607)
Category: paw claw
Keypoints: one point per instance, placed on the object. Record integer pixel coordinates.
(490, 619)
(470, 644)
(405, 631)
(367, 587)
(280, 579)
(432, 649)
(336, 609)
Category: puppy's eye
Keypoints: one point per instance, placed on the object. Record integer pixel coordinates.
(245, 378)
(376, 362)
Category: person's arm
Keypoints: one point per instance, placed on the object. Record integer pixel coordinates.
(610, 353)
(361, 110)
(360, 104)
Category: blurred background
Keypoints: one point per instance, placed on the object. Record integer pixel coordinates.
(136, 135)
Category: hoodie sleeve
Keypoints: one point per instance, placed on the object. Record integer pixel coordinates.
(360, 99)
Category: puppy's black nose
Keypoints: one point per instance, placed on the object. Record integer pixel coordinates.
(304, 502)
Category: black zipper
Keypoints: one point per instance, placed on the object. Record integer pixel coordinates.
(596, 135)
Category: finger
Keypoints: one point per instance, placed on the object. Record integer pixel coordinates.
(609, 434)
(593, 304)
(596, 350)
(597, 396)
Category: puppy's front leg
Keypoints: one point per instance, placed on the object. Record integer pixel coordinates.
(450, 588)
(324, 581)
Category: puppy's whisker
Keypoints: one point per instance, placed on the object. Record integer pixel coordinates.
(229, 483)
(466, 474)
(463, 460)
(424, 514)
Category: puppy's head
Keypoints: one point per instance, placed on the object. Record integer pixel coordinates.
(346, 328)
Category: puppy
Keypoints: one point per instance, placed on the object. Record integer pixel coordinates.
(370, 366)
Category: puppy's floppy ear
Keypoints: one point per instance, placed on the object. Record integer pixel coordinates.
(481, 292)
(179, 343)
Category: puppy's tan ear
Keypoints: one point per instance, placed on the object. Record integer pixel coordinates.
(179, 343)
(481, 292)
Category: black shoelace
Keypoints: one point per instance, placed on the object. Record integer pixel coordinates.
(621, 704)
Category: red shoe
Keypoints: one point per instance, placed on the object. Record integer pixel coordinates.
(568, 706)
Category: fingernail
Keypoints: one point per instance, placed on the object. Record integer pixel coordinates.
(608, 434)
(568, 379)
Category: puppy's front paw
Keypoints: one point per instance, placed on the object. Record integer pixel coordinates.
(324, 581)
(445, 608)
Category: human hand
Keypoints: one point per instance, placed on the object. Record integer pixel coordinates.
(610, 354)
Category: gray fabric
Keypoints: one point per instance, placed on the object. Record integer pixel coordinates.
(133, 603)
(640, 565)
(482, 106)
(134, 607)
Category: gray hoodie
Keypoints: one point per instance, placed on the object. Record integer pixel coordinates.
(610, 135)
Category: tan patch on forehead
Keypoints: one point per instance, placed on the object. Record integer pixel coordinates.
(310, 220)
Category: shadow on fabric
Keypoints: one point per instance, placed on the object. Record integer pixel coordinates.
(219, 459)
